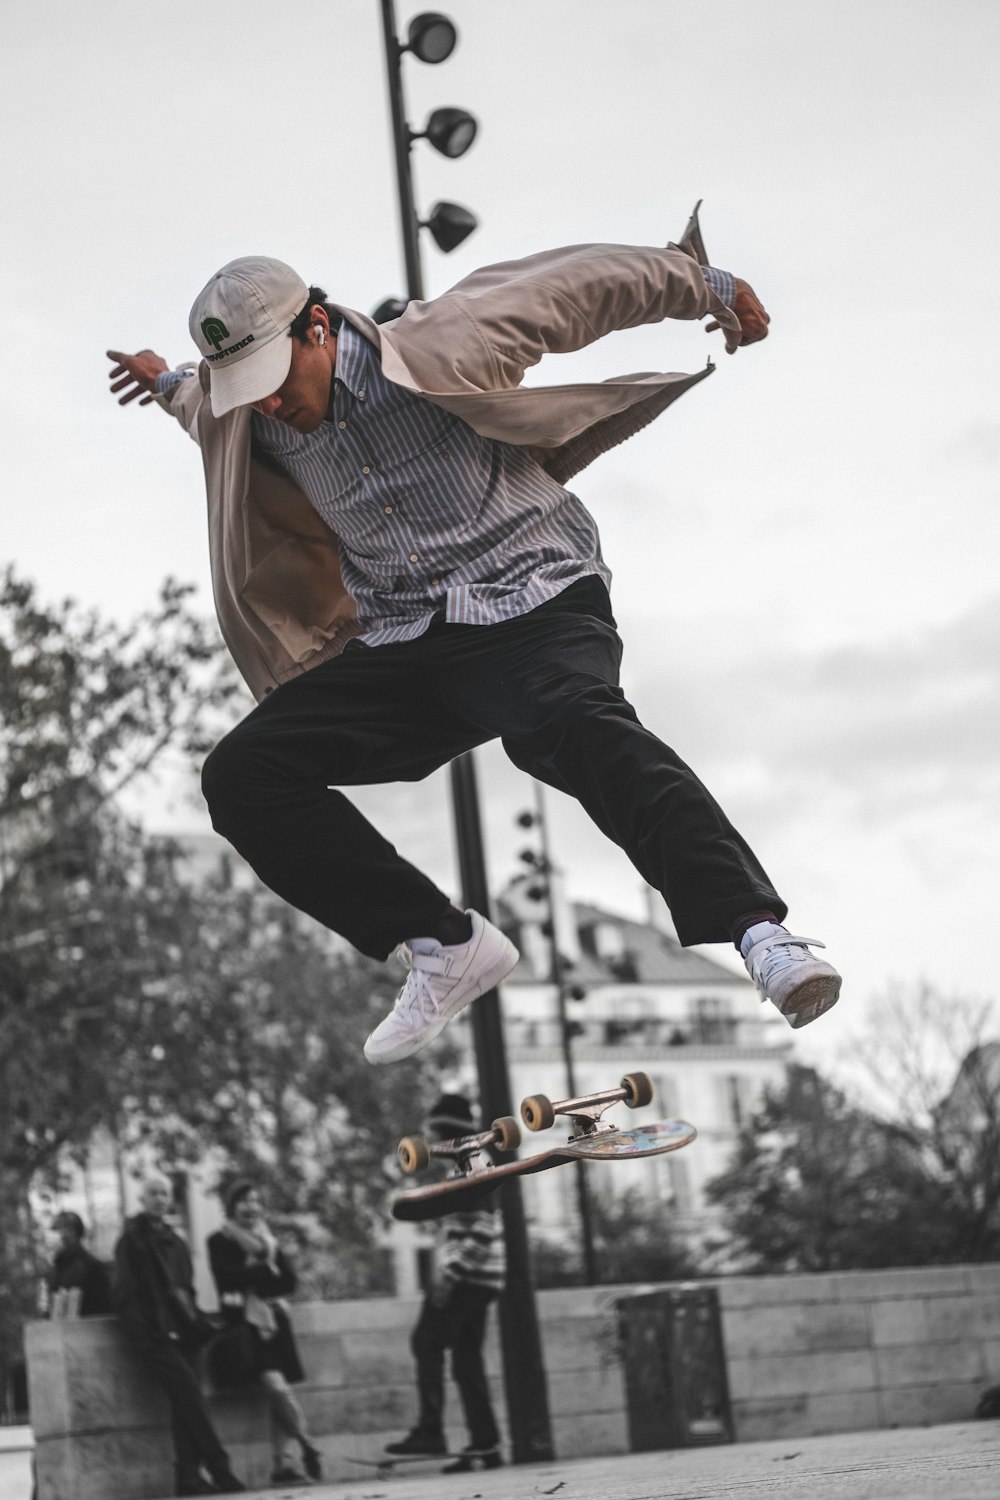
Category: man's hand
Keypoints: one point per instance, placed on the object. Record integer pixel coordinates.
(134, 374)
(753, 319)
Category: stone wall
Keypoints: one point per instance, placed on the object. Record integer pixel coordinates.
(860, 1349)
(804, 1355)
(17, 1447)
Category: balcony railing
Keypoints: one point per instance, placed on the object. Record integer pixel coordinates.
(648, 1032)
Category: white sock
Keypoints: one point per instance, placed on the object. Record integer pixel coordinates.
(423, 945)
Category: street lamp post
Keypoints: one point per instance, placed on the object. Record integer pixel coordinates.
(560, 981)
(431, 37)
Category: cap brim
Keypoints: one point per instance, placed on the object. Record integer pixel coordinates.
(251, 378)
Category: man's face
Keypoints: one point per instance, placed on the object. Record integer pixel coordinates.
(303, 400)
(156, 1197)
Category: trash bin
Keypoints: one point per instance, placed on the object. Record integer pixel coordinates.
(675, 1368)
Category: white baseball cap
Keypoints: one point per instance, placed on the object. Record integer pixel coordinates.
(240, 322)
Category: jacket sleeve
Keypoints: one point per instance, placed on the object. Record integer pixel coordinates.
(228, 1264)
(554, 303)
(183, 400)
(129, 1295)
(233, 1272)
(267, 1281)
(96, 1300)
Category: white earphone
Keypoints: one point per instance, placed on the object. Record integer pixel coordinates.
(320, 333)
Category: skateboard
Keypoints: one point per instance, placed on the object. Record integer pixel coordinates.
(385, 1464)
(475, 1177)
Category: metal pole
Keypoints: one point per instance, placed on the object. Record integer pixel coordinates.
(523, 1362)
(590, 1270)
(408, 224)
(524, 1368)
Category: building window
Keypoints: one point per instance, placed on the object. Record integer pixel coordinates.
(680, 1182)
(714, 1027)
(666, 1097)
(737, 1100)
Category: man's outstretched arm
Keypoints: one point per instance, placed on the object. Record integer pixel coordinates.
(561, 300)
(135, 374)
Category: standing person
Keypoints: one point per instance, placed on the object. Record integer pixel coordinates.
(75, 1272)
(153, 1294)
(468, 1275)
(401, 575)
(252, 1275)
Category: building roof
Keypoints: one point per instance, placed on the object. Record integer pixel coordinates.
(646, 954)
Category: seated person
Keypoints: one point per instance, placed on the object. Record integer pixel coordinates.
(76, 1270)
(252, 1275)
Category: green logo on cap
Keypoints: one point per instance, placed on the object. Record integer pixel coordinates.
(215, 331)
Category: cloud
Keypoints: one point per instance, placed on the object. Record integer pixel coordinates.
(908, 722)
(981, 442)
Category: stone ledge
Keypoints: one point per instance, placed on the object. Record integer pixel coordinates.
(805, 1355)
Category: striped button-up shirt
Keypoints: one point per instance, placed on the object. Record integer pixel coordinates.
(432, 518)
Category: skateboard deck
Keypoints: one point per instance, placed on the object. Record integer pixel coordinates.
(467, 1189)
(384, 1466)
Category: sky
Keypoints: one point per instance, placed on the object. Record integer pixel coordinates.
(804, 548)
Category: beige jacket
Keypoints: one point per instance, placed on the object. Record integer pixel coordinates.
(276, 575)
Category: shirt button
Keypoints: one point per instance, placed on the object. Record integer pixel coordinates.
(435, 582)
(361, 394)
(389, 509)
(341, 425)
(367, 469)
(413, 557)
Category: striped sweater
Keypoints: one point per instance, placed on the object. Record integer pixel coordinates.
(470, 1248)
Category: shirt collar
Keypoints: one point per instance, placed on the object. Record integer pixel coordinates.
(352, 358)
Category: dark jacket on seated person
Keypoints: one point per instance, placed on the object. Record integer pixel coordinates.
(75, 1268)
(250, 1290)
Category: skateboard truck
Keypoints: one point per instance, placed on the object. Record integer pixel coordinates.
(465, 1151)
(539, 1112)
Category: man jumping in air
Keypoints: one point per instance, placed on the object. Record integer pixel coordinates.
(401, 575)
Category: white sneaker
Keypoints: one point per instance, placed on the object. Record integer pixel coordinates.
(440, 984)
(786, 973)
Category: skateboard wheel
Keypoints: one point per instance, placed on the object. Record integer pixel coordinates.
(638, 1090)
(414, 1154)
(507, 1133)
(537, 1112)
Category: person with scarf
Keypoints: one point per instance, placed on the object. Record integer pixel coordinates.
(153, 1297)
(252, 1276)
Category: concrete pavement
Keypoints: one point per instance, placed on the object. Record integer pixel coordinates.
(958, 1462)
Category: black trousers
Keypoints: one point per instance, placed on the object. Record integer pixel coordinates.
(175, 1371)
(459, 1326)
(546, 685)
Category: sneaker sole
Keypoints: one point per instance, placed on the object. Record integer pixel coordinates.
(811, 1000)
(498, 971)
